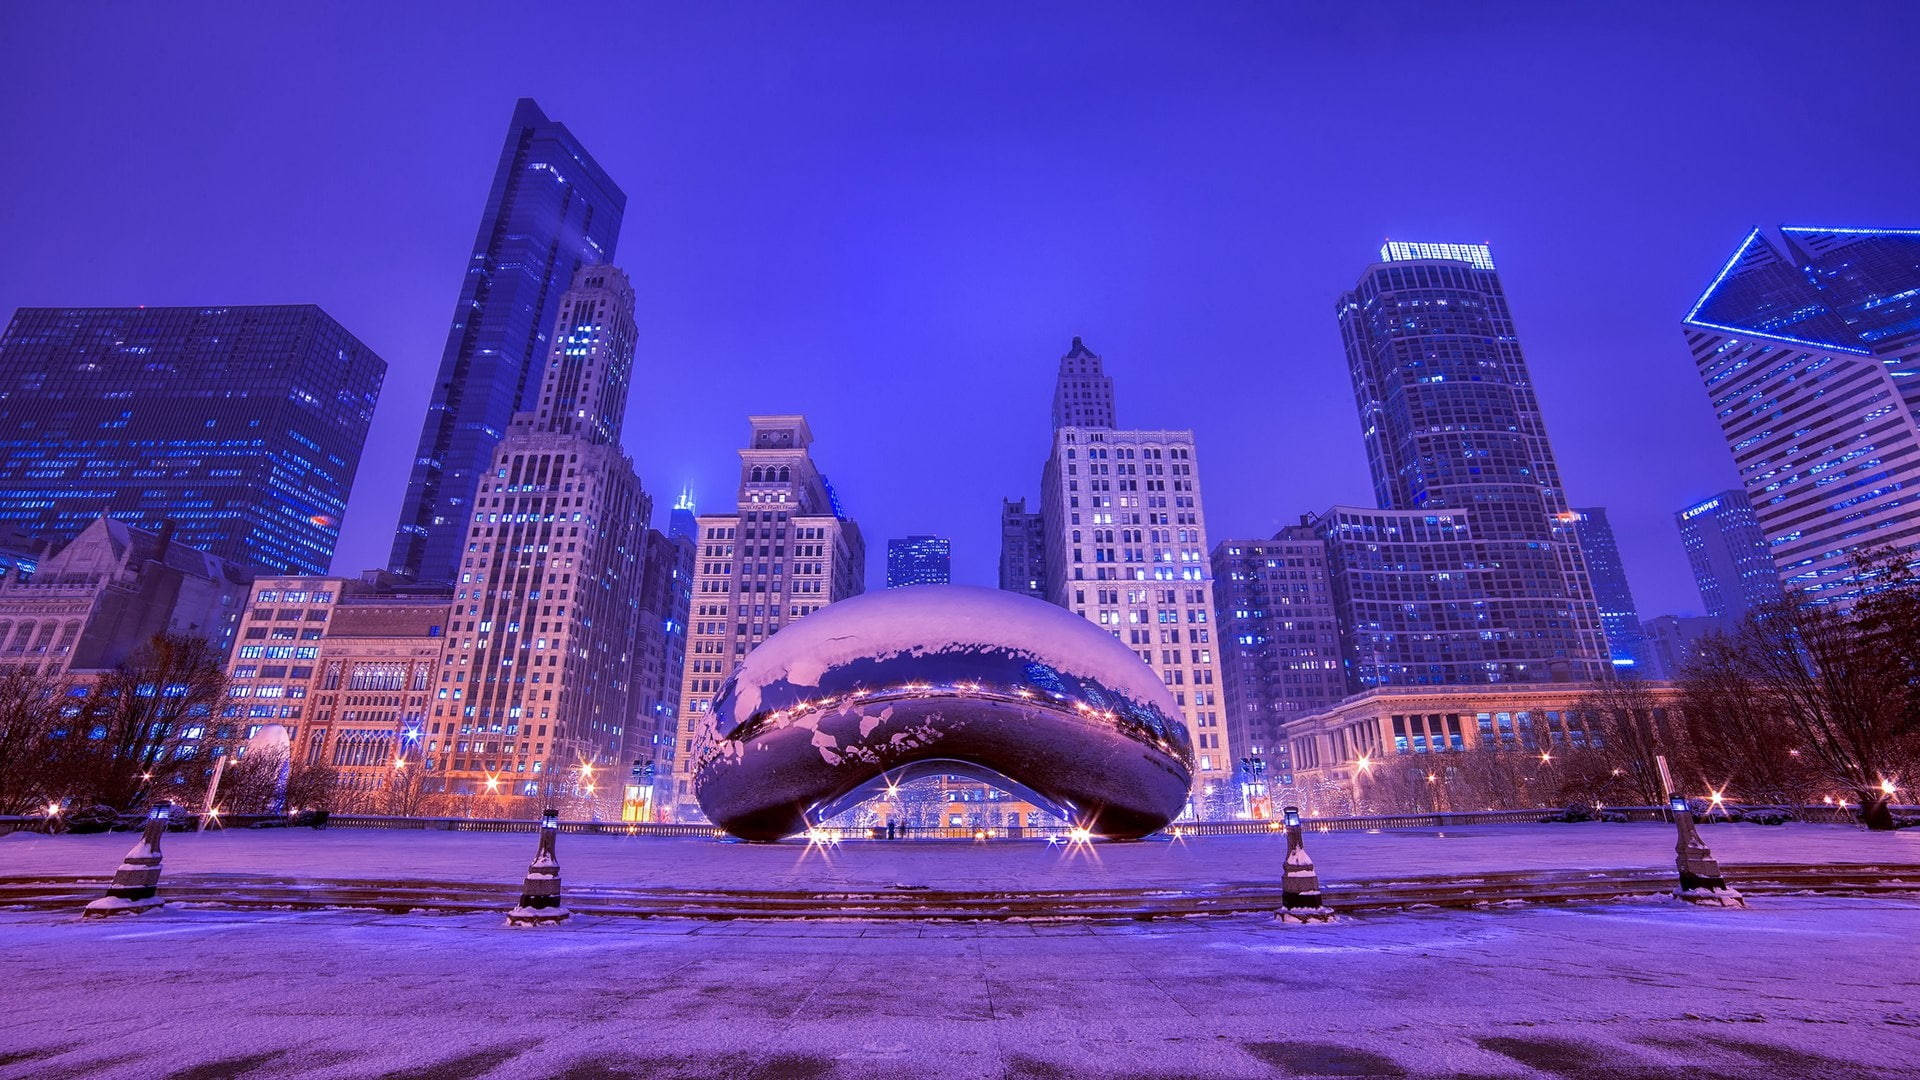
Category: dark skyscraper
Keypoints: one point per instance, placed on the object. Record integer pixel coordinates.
(1023, 549)
(1279, 640)
(1619, 616)
(1468, 572)
(1728, 553)
(550, 211)
(919, 560)
(1809, 350)
(241, 426)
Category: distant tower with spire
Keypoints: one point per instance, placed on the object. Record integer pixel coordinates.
(681, 522)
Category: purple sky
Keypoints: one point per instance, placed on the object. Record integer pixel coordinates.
(894, 221)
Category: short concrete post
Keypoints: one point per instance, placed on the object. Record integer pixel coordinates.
(1700, 880)
(137, 883)
(1300, 884)
(540, 897)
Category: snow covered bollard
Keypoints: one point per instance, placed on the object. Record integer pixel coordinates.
(1300, 883)
(1700, 880)
(136, 884)
(540, 896)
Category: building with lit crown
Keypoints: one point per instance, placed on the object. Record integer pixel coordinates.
(786, 550)
(919, 560)
(537, 696)
(1808, 346)
(242, 426)
(550, 210)
(1469, 570)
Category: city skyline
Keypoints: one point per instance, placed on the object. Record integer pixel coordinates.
(1631, 429)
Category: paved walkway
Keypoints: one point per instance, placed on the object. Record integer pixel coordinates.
(619, 860)
(1804, 988)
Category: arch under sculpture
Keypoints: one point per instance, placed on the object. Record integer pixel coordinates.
(881, 688)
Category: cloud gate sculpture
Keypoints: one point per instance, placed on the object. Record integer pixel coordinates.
(882, 688)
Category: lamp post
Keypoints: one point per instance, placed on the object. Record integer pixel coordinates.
(1700, 880)
(1300, 900)
(1363, 764)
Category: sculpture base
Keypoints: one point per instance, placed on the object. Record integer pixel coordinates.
(114, 905)
(547, 916)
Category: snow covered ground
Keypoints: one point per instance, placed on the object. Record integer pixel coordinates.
(1794, 987)
(615, 860)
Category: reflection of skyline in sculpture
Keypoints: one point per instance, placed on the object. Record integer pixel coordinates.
(877, 690)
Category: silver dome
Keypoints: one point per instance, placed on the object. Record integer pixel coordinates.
(881, 688)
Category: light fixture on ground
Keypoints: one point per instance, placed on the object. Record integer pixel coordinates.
(540, 896)
(1700, 880)
(1300, 900)
(136, 884)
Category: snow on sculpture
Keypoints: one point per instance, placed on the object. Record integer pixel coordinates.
(882, 688)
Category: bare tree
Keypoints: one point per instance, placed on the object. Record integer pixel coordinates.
(31, 729)
(1739, 737)
(1624, 717)
(145, 710)
(1845, 684)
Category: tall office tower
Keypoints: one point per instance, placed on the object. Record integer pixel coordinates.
(1728, 553)
(108, 591)
(919, 560)
(537, 694)
(1083, 392)
(1619, 616)
(550, 211)
(349, 668)
(1279, 642)
(1023, 549)
(240, 425)
(1126, 547)
(666, 593)
(1810, 353)
(787, 550)
(1469, 571)
(683, 522)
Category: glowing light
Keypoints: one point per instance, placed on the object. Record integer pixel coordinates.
(1080, 835)
(399, 763)
(1886, 786)
(1365, 764)
(493, 784)
(53, 808)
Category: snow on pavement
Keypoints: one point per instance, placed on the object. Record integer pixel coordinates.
(1795, 987)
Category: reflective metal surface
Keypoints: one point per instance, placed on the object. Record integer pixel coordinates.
(879, 689)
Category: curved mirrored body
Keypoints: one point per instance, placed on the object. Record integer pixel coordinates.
(882, 688)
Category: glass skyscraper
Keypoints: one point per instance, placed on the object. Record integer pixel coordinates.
(1469, 570)
(919, 560)
(1728, 553)
(242, 426)
(550, 211)
(1619, 616)
(1809, 349)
